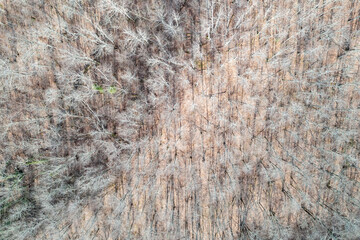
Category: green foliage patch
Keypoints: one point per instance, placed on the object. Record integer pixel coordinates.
(98, 88)
(112, 90)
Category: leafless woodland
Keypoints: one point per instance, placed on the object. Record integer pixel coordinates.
(179, 119)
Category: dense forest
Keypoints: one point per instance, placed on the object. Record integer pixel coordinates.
(179, 119)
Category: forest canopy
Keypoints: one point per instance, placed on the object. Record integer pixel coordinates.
(179, 119)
